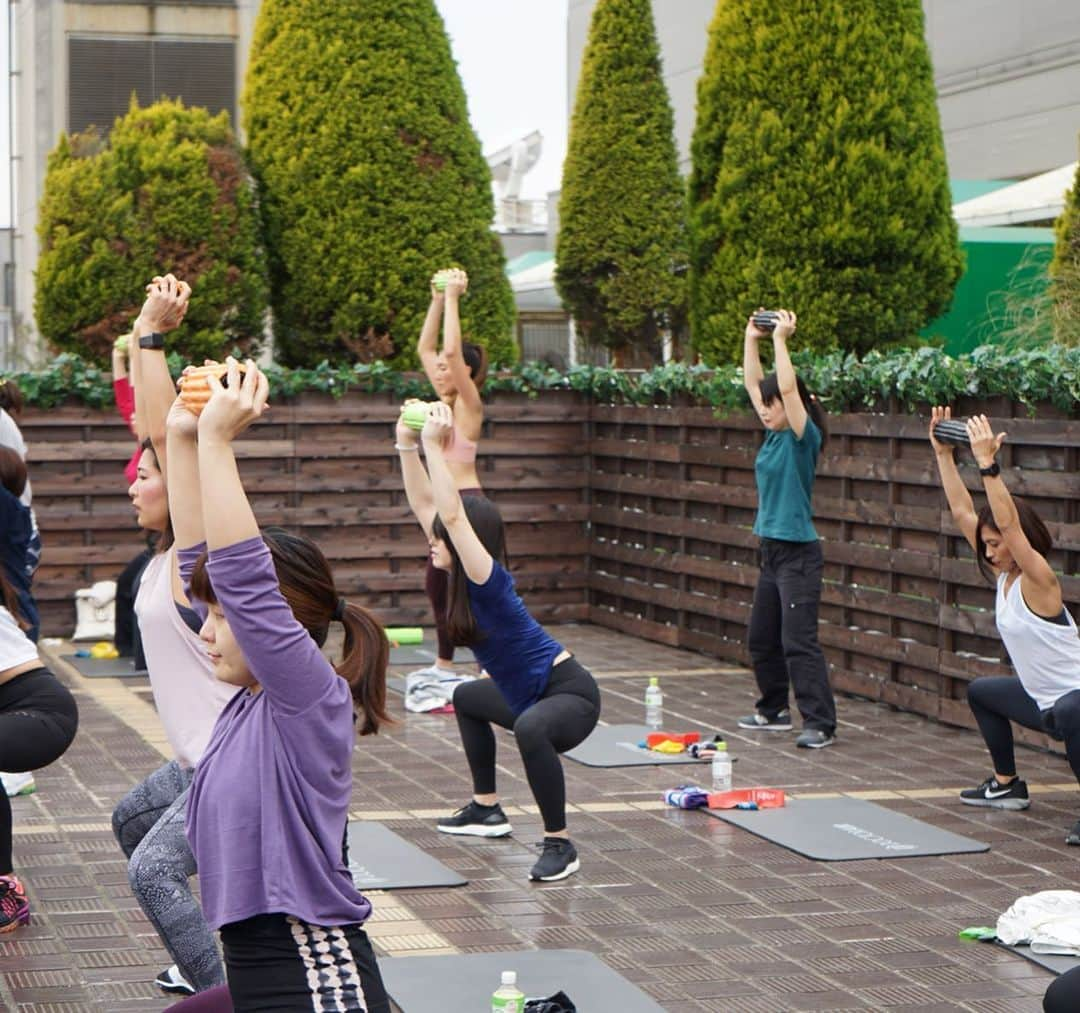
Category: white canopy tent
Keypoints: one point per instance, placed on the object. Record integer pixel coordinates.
(1038, 199)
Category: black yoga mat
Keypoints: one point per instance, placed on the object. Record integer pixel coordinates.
(845, 829)
(379, 859)
(104, 668)
(617, 746)
(463, 983)
(1059, 963)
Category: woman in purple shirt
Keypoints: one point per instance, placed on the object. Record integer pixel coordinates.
(537, 687)
(269, 802)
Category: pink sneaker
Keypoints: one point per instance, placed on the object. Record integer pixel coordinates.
(14, 907)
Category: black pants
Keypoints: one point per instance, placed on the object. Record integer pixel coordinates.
(38, 720)
(282, 964)
(558, 721)
(126, 629)
(783, 637)
(998, 699)
(1063, 995)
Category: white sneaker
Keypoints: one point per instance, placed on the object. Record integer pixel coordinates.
(18, 784)
(171, 980)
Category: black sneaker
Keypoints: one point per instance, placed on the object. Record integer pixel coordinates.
(477, 821)
(760, 723)
(557, 860)
(171, 980)
(992, 795)
(814, 738)
(1074, 834)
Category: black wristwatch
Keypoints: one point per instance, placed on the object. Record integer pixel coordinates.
(991, 470)
(153, 340)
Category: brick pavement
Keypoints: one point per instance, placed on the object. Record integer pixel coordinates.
(699, 914)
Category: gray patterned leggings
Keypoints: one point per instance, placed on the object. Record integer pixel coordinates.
(149, 824)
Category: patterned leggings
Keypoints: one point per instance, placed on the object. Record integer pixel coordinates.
(149, 824)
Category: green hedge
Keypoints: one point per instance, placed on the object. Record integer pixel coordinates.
(844, 382)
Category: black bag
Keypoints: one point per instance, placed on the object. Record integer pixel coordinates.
(557, 1003)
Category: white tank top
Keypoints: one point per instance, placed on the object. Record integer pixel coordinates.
(188, 696)
(1046, 655)
(16, 648)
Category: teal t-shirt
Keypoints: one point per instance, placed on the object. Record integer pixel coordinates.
(784, 470)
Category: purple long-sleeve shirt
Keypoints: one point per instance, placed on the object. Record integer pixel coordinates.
(267, 810)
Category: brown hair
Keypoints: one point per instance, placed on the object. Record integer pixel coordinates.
(1035, 531)
(476, 359)
(12, 471)
(10, 600)
(307, 584)
(487, 523)
(164, 543)
(11, 398)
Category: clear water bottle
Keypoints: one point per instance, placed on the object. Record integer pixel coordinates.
(721, 768)
(654, 704)
(508, 998)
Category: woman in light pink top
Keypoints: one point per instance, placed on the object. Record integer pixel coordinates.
(457, 373)
(149, 821)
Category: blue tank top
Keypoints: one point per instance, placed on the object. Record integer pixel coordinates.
(512, 647)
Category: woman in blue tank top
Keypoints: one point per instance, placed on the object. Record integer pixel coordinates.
(783, 635)
(536, 687)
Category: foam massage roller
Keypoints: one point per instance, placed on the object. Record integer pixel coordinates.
(952, 431)
(195, 385)
(403, 635)
(414, 413)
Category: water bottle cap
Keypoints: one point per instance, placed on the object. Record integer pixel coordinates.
(509, 977)
(654, 680)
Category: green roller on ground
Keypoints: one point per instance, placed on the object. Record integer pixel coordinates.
(405, 635)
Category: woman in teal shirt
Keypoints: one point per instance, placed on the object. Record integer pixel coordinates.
(783, 637)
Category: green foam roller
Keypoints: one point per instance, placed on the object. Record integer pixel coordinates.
(415, 414)
(403, 635)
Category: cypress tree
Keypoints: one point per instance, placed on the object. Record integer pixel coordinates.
(818, 177)
(166, 191)
(621, 252)
(371, 178)
(1065, 269)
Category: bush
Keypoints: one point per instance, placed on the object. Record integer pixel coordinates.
(1065, 269)
(371, 179)
(167, 191)
(621, 251)
(818, 179)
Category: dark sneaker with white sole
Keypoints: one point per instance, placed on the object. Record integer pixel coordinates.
(1074, 834)
(993, 795)
(558, 859)
(475, 820)
(814, 738)
(171, 980)
(759, 722)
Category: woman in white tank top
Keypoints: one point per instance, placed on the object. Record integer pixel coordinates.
(1011, 544)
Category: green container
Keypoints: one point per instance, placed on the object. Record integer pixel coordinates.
(415, 414)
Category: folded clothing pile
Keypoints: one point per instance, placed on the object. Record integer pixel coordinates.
(426, 691)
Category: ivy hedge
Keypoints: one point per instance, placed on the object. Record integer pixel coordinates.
(842, 380)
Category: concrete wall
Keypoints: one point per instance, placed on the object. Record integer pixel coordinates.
(1008, 77)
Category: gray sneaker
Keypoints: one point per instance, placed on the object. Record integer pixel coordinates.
(814, 738)
(758, 722)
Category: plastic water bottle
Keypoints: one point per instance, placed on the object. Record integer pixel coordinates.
(721, 768)
(654, 704)
(508, 998)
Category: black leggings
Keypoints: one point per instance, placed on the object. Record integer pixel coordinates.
(1063, 995)
(558, 721)
(998, 699)
(38, 720)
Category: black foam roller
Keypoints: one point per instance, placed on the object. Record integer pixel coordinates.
(952, 431)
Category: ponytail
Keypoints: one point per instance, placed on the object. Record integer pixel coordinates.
(10, 601)
(363, 664)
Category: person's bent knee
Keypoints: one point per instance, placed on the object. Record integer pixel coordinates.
(148, 871)
(1067, 713)
(531, 732)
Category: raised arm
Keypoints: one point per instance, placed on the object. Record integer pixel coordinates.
(785, 374)
(417, 484)
(468, 396)
(960, 504)
(185, 494)
(1039, 583)
(475, 559)
(753, 374)
(428, 346)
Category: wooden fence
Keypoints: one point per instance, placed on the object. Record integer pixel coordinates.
(633, 518)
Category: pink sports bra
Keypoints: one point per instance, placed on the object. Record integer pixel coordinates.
(460, 449)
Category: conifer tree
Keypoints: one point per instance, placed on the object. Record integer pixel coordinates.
(371, 178)
(166, 191)
(1065, 269)
(818, 177)
(621, 252)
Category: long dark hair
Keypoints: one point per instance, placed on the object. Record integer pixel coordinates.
(487, 522)
(476, 359)
(307, 584)
(166, 536)
(770, 392)
(12, 471)
(10, 600)
(1030, 523)
(11, 398)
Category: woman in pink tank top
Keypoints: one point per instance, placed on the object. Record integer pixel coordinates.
(457, 374)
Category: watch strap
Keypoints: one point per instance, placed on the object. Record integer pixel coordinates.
(153, 340)
(991, 470)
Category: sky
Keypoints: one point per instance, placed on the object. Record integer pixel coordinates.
(512, 58)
